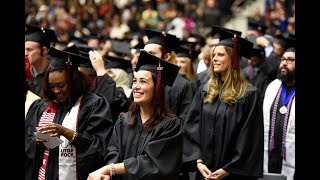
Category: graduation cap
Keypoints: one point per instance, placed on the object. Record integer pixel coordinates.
(291, 43)
(81, 50)
(42, 35)
(184, 51)
(240, 46)
(215, 31)
(256, 25)
(72, 49)
(117, 62)
(61, 59)
(200, 39)
(121, 47)
(154, 64)
(167, 41)
(77, 40)
(257, 50)
(184, 44)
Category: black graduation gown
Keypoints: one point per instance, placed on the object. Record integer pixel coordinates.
(260, 80)
(106, 86)
(94, 131)
(147, 155)
(179, 97)
(224, 136)
(201, 78)
(36, 84)
(271, 66)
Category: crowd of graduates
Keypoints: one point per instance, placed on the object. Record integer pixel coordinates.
(150, 90)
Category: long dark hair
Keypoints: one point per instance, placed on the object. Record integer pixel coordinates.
(80, 84)
(159, 110)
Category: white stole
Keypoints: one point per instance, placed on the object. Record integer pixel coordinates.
(67, 152)
(288, 166)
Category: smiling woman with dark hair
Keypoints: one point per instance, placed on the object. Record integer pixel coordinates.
(146, 141)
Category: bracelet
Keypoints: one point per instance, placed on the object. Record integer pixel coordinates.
(113, 170)
(75, 134)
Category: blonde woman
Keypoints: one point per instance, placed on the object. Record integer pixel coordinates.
(223, 131)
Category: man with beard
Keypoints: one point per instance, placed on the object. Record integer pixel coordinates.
(279, 118)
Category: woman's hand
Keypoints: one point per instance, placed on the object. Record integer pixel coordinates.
(203, 169)
(102, 173)
(54, 129)
(218, 174)
(97, 62)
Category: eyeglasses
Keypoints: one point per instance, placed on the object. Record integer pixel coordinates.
(288, 60)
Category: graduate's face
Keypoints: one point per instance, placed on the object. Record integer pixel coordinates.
(143, 88)
(182, 62)
(33, 52)
(58, 84)
(287, 67)
(221, 60)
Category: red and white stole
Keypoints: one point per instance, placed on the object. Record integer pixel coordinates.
(46, 118)
(67, 152)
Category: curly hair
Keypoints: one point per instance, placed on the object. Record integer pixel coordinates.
(80, 83)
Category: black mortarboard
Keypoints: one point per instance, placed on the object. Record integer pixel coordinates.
(291, 43)
(77, 40)
(72, 49)
(200, 39)
(44, 36)
(192, 46)
(155, 37)
(183, 51)
(59, 59)
(215, 31)
(81, 50)
(243, 46)
(121, 47)
(257, 25)
(117, 62)
(257, 50)
(152, 63)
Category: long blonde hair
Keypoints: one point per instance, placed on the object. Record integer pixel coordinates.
(231, 89)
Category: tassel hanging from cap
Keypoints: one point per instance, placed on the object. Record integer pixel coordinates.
(163, 46)
(158, 85)
(68, 74)
(235, 53)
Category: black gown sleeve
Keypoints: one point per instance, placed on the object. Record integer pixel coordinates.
(94, 132)
(248, 148)
(106, 87)
(33, 151)
(191, 130)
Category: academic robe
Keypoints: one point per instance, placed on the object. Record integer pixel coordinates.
(258, 79)
(179, 97)
(288, 165)
(201, 78)
(94, 127)
(36, 84)
(106, 86)
(271, 66)
(225, 136)
(147, 155)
